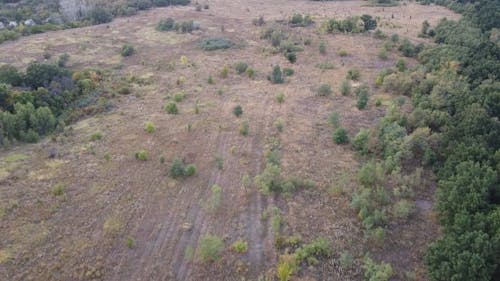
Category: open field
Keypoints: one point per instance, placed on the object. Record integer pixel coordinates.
(85, 233)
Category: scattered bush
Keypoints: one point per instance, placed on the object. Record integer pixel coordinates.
(250, 72)
(346, 259)
(322, 47)
(345, 87)
(299, 20)
(276, 77)
(382, 54)
(244, 128)
(288, 71)
(150, 127)
(340, 136)
(141, 155)
(403, 209)
(291, 56)
(166, 25)
(210, 248)
(362, 94)
(63, 60)
(324, 90)
(240, 246)
(100, 15)
(238, 111)
(127, 50)
(212, 44)
(401, 65)
(171, 108)
(96, 136)
(353, 74)
(335, 119)
(342, 53)
(179, 169)
(58, 190)
(280, 97)
(361, 140)
(241, 67)
(10, 75)
(376, 272)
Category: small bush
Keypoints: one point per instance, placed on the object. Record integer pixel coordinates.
(210, 248)
(403, 209)
(141, 155)
(224, 72)
(166, 25)
(238, 111)
(150, 127)
(280, 97)
(401, 65)
(277, 76)
(241, 67)
(291, 56)
(362, 94)
(124, 91)
(171, 108)
(376, 272)
(127, 50)
(345, 88)
(324, 90)
(279, 125)
(360, 141)
(130, 242)
(212, 44)
(340, 136)
(96, 136)
(382, 54)
(288, 71)
(259, 21)
(58, 190)
(343, 53)
(395, 38)
(353, 74)
(322, 47)
(210, 80)
(190, 170)
(250, 72)
(346, 259)
(240, 246)
(244, 128)
(335, 119)
(63, 60)
(285, 271)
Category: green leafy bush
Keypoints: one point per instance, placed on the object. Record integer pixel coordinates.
(166, 25)
(376, 271)
(240, 246)
(127, 50)
(171, 108)
(241, 67)
(212, 44)
(237, 111)
(141, 155)
(345, 87)
(340, 136)
(149, 127)
(324, 90)
(276, 77)
(353, 74)
(210, 248)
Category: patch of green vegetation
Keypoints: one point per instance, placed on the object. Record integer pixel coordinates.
(240, 246)
(210, 248)
(212, 44)
(141, 155)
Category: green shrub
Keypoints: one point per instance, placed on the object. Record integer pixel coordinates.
(212, 44)
(63, 60)
(379, 34)
(127, 50)
(401, 65)
(10, 75)
(288, 71)
(362, 94)
(403, 209)
(216, 197)
(58, 190)
(130, 242)
(340, 136)
(395, 38)
(141, 155)
(149, 127)
(318, 248)
(278, 124)
(361, 140)
(210, 80)
(322, 47)
(343, 53)
(190, 170)
(124, 90)
(250, 72)
(276, 77)
(244, 128)
(345, 88)
(346, 259)
(371, 174)
(280, 97)
(382, 54)
(100, 15)
(184, 26)
(241, 67)
(291, 56)
(238, 111)
(210, 248)
(353, 74)
(324, 90)
(166, 25)
(376, 272)
(171, 108)
(177, 168)
(335, 119)
(240, 246)
(96, 136)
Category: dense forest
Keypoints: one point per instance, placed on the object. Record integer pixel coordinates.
(454, 128)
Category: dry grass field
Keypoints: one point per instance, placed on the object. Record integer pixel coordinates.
(123, 219)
